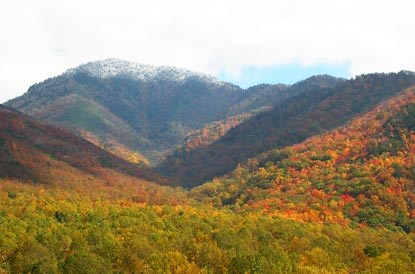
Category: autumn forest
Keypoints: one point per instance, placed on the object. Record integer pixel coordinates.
(183, 173)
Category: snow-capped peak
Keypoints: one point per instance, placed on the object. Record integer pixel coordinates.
(110, 68)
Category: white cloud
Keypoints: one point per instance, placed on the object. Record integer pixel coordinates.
(40, 39)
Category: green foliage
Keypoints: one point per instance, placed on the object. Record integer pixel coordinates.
(373, 250)
(60, 217)
(323, 157)
(86, 262)
(11, 194)
(86, 114)
(405, 119)
(397, 129)
(373, 216)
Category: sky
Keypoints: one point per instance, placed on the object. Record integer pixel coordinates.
(243, 42)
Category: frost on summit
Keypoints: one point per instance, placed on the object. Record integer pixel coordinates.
(110, 68)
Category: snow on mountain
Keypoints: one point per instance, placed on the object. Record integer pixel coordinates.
(110, 68)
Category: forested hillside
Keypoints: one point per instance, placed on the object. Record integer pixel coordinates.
(359, 174)
(315, 110)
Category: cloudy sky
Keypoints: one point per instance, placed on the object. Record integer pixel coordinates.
(245, 42)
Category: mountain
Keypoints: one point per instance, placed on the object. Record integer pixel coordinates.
(314, 109)
(341, 201)
(361, 173)
(141, 112)
(35, 152)
(144, 108)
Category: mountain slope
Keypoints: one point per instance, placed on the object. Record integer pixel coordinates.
(35, 152)
(94, 123)
(361, 173)
(306, 114)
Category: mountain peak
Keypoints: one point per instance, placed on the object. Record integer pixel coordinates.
(112, 67)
